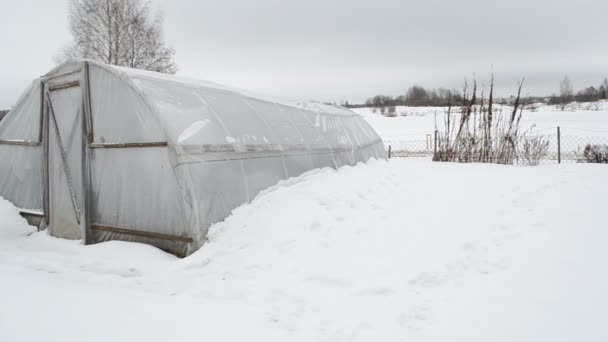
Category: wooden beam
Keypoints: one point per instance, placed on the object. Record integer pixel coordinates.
(129, 145)
(87, 101)
(48, 78)
(20, 142)
(46, 205)
(64, 86)
(31, 212)
(41, 111)
(87, 138)
(153, 235)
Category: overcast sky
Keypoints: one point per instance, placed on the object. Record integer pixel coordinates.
(346, 49)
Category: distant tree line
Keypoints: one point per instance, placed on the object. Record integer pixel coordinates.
(588, 94)
(418, 96)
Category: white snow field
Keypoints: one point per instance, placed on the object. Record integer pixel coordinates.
(414, 123)
(394, 250)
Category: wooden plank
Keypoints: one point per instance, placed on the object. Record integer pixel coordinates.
(63, 75)
(87, 138)
(31, 212)
(129, 145)
(153, 235)
(45, 166)
(41, 110)
(20, 142)
(64, 86)
(87, 100)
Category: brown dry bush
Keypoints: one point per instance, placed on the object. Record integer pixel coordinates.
(485, 134)
(596, 154)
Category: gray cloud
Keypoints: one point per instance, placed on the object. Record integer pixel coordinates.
(332, 50)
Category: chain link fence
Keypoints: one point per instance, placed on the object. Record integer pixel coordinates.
(589, 149)
(411, 148)
(563, 147)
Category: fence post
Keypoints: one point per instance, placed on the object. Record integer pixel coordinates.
(435, 148)
(389, 151)
(559, 146)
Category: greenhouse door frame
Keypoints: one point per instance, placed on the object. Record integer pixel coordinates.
(49, 125)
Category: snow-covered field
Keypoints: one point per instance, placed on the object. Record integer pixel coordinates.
(389, 251)
(414, 123)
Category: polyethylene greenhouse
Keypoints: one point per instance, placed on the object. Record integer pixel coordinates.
(97, 152)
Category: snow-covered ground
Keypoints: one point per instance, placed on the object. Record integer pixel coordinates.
(388, 251)
(414, 123)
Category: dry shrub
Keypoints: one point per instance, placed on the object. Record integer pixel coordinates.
(484, 134)
(532, 148)
(596, 154)
(391, 112)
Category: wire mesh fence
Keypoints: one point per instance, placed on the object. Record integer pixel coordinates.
(411, 148)
(583, 149)
(560, 148)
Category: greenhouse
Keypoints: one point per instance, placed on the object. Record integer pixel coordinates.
(98, 152)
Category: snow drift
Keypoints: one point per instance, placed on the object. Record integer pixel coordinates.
(387, 252)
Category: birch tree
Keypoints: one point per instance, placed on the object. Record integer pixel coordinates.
(118, 32)
(565, 91)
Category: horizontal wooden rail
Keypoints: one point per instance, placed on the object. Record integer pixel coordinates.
(129, 145)
(48, 78)
(153, 235)
(20, 142)
(31, 212)
(64, 86)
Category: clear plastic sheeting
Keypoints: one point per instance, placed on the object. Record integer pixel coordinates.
(117, 101)
(23, 121)
(21, 175)
(127, 199)
(162, 157)
(21, 153)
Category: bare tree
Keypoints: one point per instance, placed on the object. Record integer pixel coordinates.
(417, 96)
(588, 94)
(118, 32)
(565, 91)
(604, 87)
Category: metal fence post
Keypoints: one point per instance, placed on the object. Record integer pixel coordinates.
(559, 146)
(389, 151)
